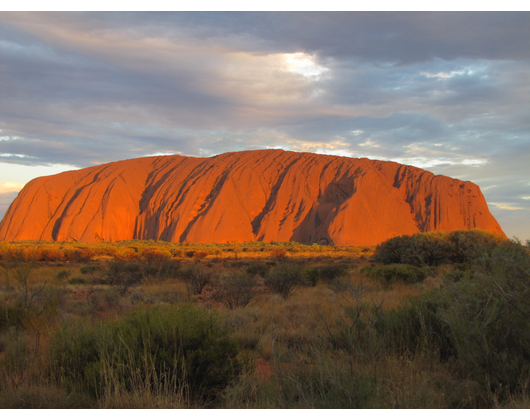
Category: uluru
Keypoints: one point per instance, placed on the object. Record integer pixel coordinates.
(262, 195)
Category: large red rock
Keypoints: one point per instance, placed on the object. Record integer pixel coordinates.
(264, 195)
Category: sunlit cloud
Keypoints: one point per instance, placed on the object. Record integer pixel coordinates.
(369, 143)
(14, 155)
(164, 153)
(507, 206)
(470, 71)
(15, 175)
(474, 162)
(6, 187)
(304, 64)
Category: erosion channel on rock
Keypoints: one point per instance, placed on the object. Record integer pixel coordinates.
(264, 195)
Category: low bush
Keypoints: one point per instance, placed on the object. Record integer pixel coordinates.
(283, 278)
(390, 274)
(12, 315)
(123, 274)
(197, 277)
(325, 273)
(90, 271)
(258, 269)
(76, 280)
(480, 324)
(185, 346)
(234, 290)
(435, 248)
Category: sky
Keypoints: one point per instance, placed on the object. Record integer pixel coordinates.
(448, 92)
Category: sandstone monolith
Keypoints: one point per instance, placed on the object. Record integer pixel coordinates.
(262, 195)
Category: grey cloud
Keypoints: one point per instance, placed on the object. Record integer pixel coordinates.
(80, 88)
(388, 37)
(381, 36)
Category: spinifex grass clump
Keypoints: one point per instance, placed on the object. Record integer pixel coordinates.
(180, 349)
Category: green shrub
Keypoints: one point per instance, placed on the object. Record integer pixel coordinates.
(124, 274)
(182, 345)
(157, 271)
(197, 277)
(389, 274)
(392, 250)
(234, 290)
(283, 278)
(76, 280)
(258, 269)
(325, 273)
(90, 270)
(12, 315)
(428, 249)
(480, 324)
(327, 383)
(435, 248)
(63, 275)
(471, 245)
(111, 297)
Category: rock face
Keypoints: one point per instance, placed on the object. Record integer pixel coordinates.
(264, 195)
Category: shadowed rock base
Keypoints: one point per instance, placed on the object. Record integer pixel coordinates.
(263, 195)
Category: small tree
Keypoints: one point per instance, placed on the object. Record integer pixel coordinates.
(234, 290)
(196, 278)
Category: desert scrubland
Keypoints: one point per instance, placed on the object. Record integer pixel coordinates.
(432, 320)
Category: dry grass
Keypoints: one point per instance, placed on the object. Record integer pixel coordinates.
(293, 336)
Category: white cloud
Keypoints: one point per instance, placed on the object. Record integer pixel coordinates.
(474, 162)
(506, 206)
(6, 187)
(304, 64)
(14, 174)
(369, 143)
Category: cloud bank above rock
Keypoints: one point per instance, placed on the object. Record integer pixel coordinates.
(444, 91)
